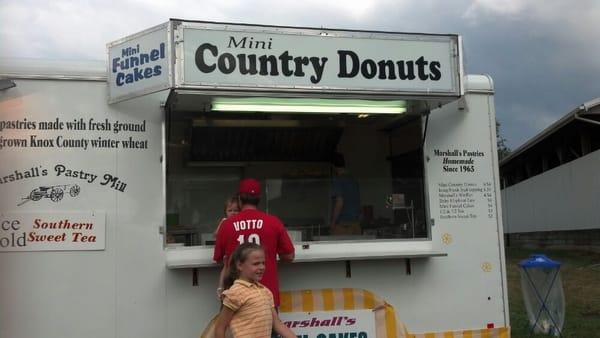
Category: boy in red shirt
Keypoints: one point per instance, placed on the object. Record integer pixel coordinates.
(253, 225)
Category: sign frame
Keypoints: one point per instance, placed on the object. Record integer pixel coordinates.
(183, 29)
(311, 324)
(53, 231)
(166, 83)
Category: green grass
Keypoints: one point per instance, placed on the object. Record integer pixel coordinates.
(580, 273)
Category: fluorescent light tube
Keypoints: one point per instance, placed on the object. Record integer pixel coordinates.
(308, 106)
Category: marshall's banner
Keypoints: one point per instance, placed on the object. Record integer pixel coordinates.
(324, 324)
(335, 313)
(351, 313)
(339, 313)
(46, 231)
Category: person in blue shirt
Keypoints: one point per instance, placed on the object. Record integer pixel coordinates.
(345, 195)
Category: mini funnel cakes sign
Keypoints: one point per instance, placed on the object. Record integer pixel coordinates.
(69, 231)
(138, 64)
(327, 324)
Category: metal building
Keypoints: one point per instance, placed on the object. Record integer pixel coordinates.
(551, 184)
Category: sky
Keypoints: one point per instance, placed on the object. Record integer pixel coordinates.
(542, 54)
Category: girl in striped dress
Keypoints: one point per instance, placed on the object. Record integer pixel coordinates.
(248, 308)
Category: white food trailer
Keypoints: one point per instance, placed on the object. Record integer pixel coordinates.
(113, 178)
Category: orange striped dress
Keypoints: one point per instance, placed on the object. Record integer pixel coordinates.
(252, 304)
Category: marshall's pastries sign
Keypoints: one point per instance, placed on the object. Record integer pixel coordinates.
(64, 231)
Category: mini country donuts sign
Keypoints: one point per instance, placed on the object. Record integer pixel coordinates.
(272, 57)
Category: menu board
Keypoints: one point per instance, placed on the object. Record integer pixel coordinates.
(465, 200)
(464, 192)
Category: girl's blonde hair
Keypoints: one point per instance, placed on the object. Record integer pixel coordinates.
(240, 255)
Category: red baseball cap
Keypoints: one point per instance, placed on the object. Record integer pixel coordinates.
(249, 186)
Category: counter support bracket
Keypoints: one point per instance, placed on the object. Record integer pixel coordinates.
(195, 277)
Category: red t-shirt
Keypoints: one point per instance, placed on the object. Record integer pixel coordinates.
(251, 225)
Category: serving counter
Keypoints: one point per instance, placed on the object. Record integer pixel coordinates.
(196, 257)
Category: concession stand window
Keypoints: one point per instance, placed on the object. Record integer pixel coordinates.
(290, 145)
(283, 104)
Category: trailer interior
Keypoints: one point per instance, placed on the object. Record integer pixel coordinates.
(290, 150)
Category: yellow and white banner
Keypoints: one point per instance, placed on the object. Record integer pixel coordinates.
(344, 304)
(500, 332)
(324, 324)
(352, 313)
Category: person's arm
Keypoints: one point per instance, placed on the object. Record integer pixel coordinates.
(337, 210)
(223, 321)
(279, 326)
(287, 257)
(222, 275)
(285, 247)
(219, 249)
(219, 226)
(220, 257)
